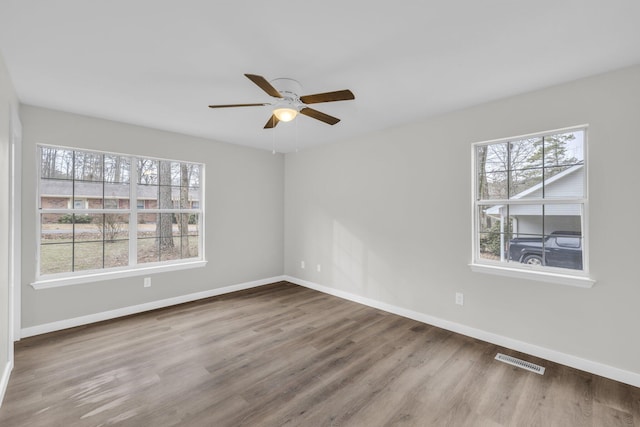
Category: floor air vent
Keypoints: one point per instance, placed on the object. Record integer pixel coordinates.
(520, 363)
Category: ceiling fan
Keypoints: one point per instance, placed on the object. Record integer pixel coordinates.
(287, 103)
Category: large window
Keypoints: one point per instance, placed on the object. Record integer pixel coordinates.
(104, 212)
(530, 199)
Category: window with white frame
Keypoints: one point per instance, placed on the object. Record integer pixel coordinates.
(90, 218)
(529, 204)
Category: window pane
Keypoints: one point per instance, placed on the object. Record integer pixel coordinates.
(526, 219)
(147, 171)
(155, 237)
(181, 197)
(148, 182)
(494, 246)
(526, 154)
(169, 249)
(56, 228)
(191, 221)
(489, 247)
(563, 250)
(492, 185)
(56, 163)
(193, 178)
(194, 196)
(164, 172)
(148, 250)
(193, 248)
(58, 232)
(55, 256)
(564, 149)
(167, 196)
(525, 242)
(148, 238)
(564, 182)
(148, 194)
(116, 169)
(87, 166)
(490, 217)
(176, 175)
(525, 184)
(112, 227)
(87, 228)
(562, 218)
(495, 232)
(188, 234)
(119, 193)
(493, 157)
(55, 194)
(526, 249)
(552, 240)
(87, 255)
(88, 191)
(116, 253)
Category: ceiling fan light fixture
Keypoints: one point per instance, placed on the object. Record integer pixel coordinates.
(285, 114)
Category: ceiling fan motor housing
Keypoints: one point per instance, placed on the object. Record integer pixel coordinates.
(290, 90)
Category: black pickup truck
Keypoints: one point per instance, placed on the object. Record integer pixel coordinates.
(561, 249)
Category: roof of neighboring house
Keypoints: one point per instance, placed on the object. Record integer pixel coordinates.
(495, 210)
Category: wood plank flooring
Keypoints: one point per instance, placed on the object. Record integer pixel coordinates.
(283, 355)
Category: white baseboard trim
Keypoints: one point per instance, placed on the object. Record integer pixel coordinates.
(592, 367)
(125, 311)
(4, 382)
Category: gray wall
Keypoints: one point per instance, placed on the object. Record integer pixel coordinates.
(244, 214)
(388, 216)
(8, 101)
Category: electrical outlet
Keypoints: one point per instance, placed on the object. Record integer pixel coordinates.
(301, 264)
(459, 298)
(319, 268)
(147, 282)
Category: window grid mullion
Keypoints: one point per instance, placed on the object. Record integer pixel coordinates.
(509, 145)
(73, 215)
(544, 168)
(104, 216)
(133, 215)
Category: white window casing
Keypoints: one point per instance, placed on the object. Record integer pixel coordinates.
(530, 195)
(109, 201)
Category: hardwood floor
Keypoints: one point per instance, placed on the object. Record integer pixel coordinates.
(283, 355)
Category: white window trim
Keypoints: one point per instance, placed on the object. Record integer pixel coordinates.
(521, 271)
(133, 269)
(98, 275)
(533, 274)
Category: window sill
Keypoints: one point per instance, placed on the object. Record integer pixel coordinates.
(110, 275)
(541, 276)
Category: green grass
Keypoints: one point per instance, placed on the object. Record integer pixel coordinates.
(57, 255)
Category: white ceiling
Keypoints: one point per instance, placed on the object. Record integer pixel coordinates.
(160, 63)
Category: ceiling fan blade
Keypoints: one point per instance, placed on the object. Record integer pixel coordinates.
(319, 116)
(236, 105)
(273, 121)
(339, 95)
(264, 85)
